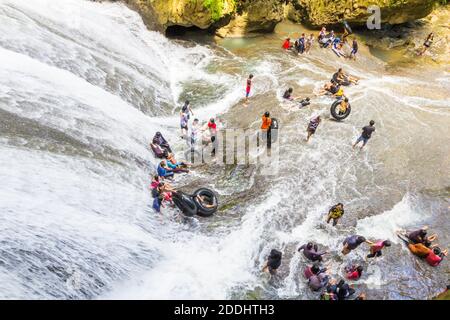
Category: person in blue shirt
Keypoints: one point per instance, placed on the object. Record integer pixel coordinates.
(164, 171)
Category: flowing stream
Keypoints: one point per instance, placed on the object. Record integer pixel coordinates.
(83, 88)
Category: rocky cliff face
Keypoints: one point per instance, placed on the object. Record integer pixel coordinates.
(329, 12)
(243, 17)
(254, 16)
(185, 13)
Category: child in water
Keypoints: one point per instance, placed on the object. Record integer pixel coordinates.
(249, 87)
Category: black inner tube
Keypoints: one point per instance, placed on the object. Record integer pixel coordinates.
(336, 113)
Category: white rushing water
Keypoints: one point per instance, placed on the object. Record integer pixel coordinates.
(83, 88)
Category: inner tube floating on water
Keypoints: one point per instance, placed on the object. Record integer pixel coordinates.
(210, 198)
(335, 112)
(185, 203)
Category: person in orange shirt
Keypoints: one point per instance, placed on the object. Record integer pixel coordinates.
(265, 128)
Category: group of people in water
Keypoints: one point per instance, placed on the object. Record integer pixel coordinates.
(318, 277)
(325, 39)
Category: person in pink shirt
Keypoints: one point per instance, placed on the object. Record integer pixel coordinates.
(376, 247)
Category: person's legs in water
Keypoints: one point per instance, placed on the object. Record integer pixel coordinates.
(361, 138)
(335, 221)
(213, 140)
(269, 138)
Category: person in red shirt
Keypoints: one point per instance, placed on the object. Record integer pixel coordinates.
(435, 256)
(376, 247)
(354, 272)
(287, 44)
(249, 87)
(212, 126)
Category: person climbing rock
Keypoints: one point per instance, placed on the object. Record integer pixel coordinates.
(335, 213)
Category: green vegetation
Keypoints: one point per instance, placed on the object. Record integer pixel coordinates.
(215, 7)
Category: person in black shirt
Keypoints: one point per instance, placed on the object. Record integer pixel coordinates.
(354, 49)
(366, 134)
(273, 262)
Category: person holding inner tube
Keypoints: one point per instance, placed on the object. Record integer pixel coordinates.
(335, 213)
(366, 134)
(343, 105)
(266, 128)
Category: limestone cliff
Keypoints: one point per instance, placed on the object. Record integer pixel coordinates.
(329, 12)
(243, 17)
(186, 13)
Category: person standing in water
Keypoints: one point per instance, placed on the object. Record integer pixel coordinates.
(427, 44)
(184, 125)
(249, 87)
(266, 129)
(335, 213)
(366, 134)
(195, 127)
(309, 43)
(212, 126)
(354, 50)
(287, 44)
(312, 127)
